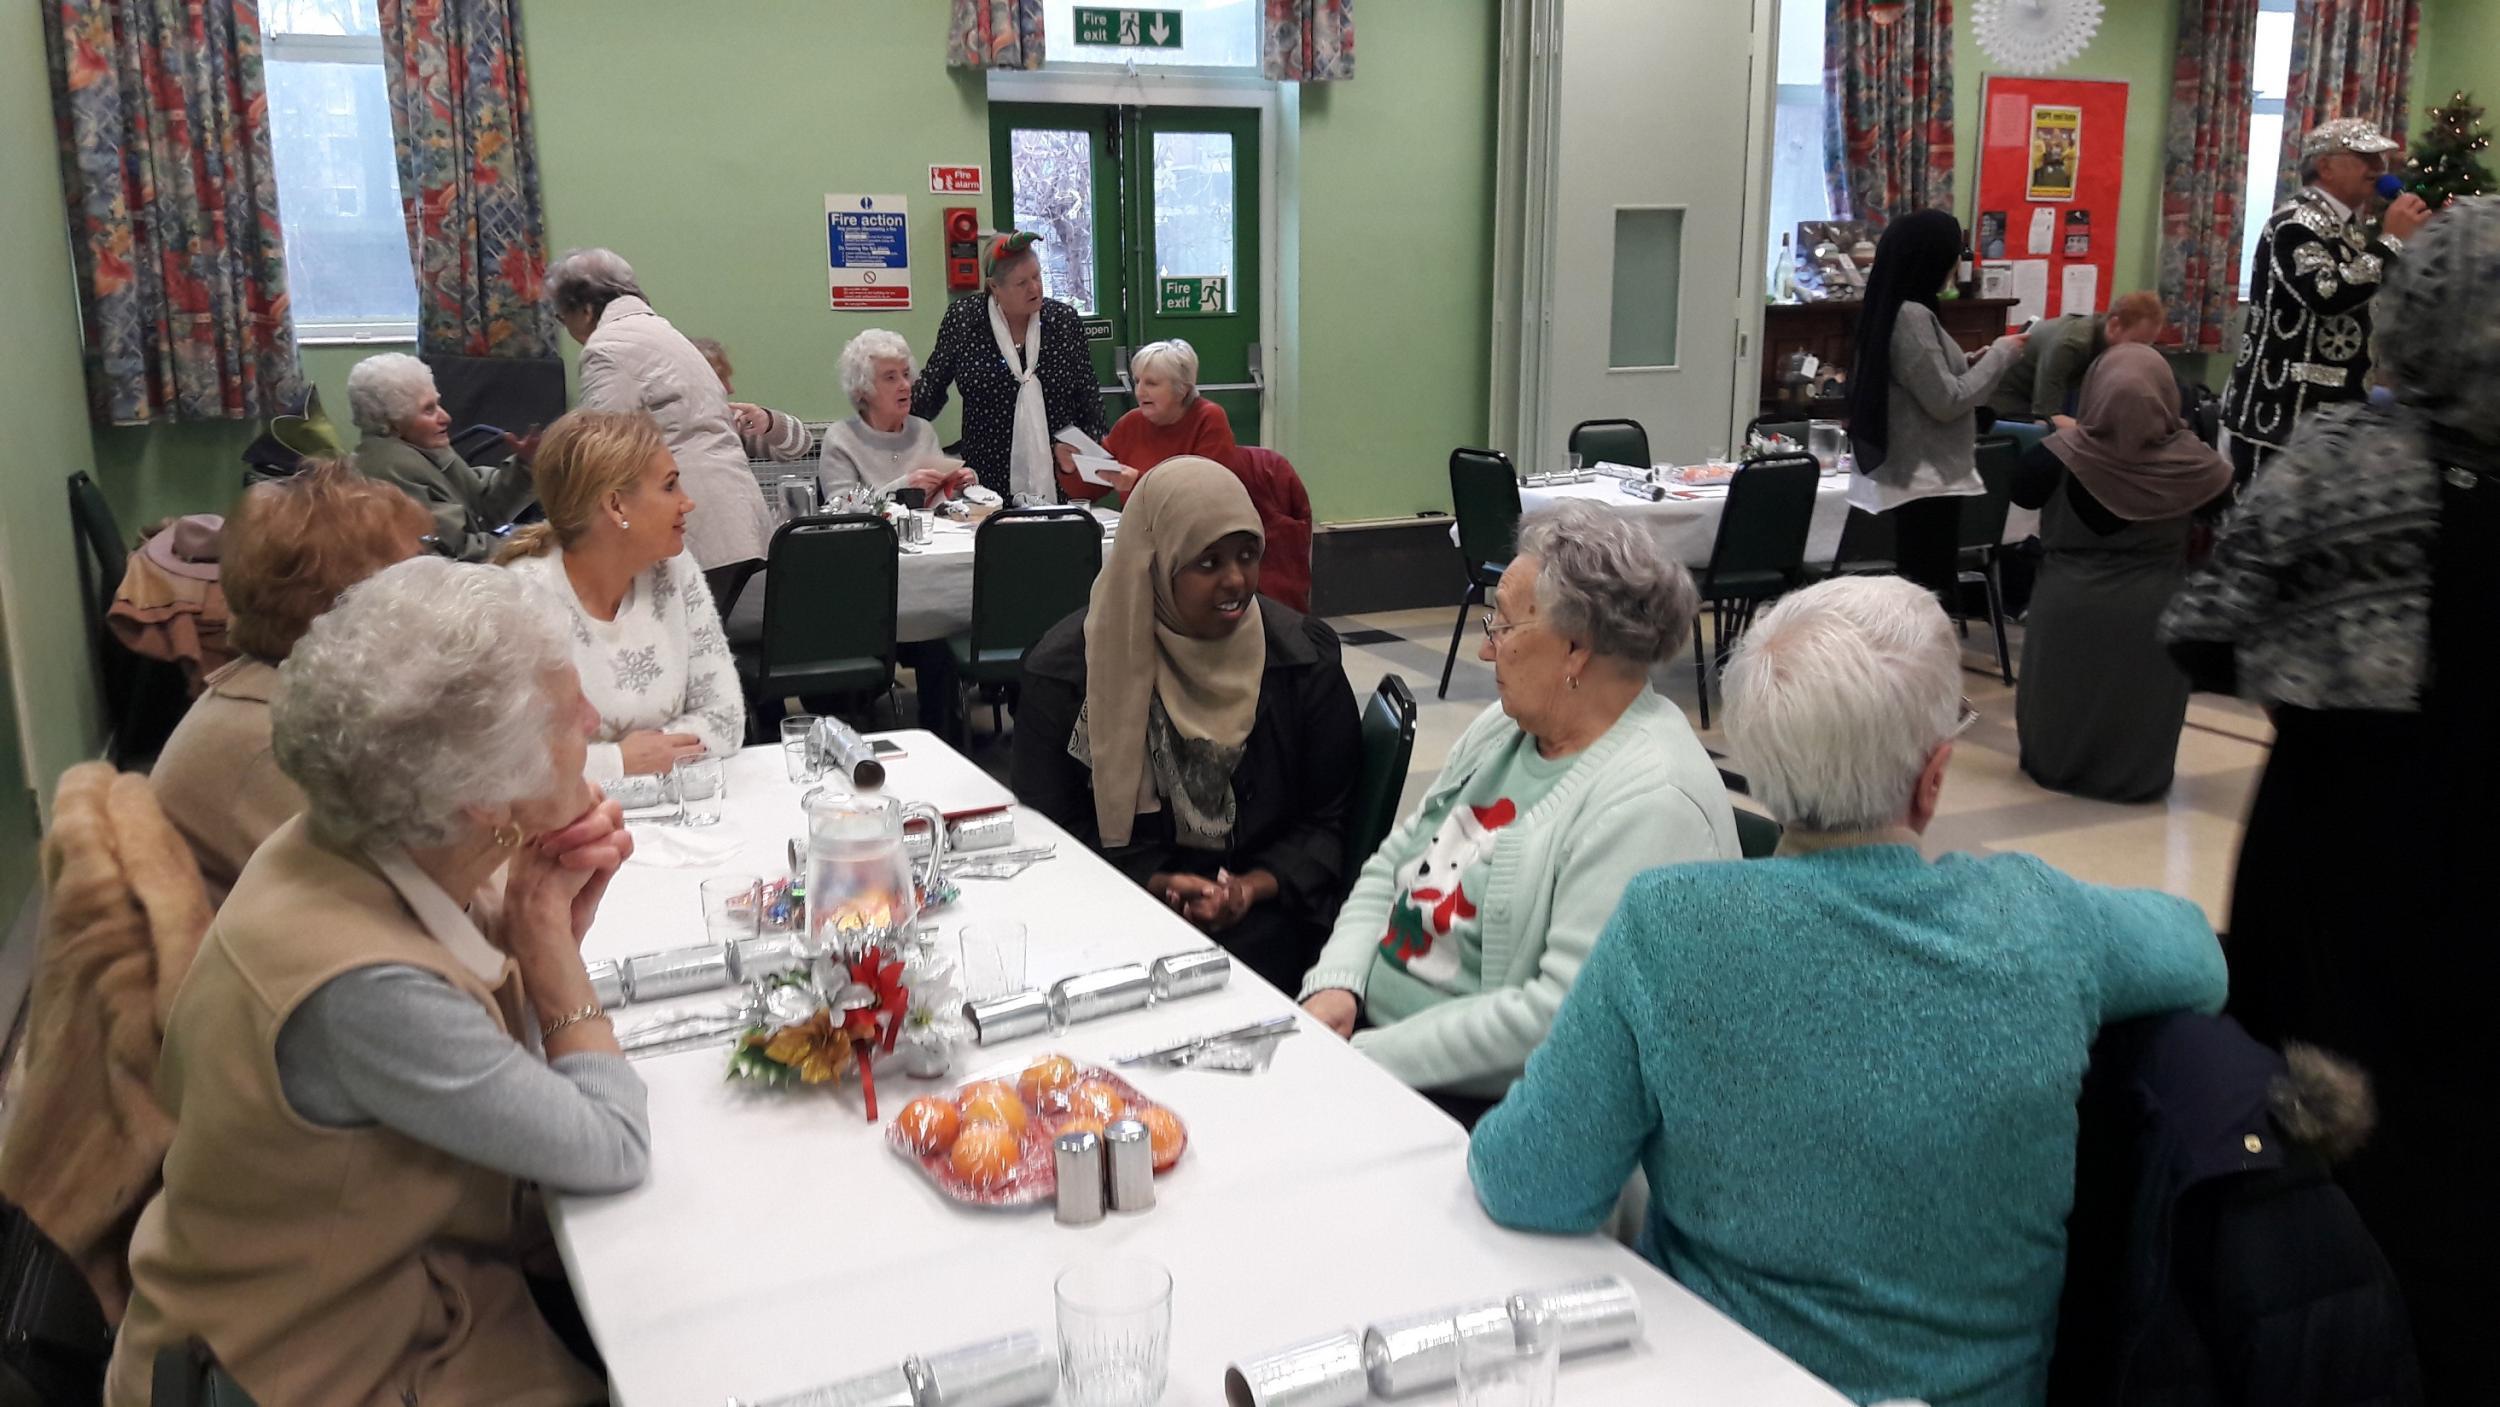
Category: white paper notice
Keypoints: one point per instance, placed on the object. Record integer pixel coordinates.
(1082, 443)
(2043, 232)
(2079, 289)
(1095, 469)
(2030, 290)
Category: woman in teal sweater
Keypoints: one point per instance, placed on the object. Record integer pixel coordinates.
(1849, 1074)
(1468, 926)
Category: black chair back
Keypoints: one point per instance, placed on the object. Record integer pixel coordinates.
(518, 393)
(108, 552)
(1983, 516)
(54, 1341)
(188, 1375)
(1031, 569)
(1757, 835)
(1621, 442)
(1484, 493)
(1770, 508)
(830, 588)
(1388, 749)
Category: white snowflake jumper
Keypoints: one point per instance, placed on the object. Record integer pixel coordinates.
(662, 665)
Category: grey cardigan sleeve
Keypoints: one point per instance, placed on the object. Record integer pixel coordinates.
(1934, 371)
(401, 1047)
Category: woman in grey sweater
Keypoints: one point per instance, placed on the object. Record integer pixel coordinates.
(885, 447)
(1911, 398)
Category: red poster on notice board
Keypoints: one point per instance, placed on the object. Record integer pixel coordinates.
(2052, 164)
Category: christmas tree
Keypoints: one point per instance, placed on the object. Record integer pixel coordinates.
(2444, 164)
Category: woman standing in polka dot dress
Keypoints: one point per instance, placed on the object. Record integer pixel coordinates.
(1020, 360)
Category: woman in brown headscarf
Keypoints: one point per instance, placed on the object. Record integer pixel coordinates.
(2119, 487)
(1200, 736)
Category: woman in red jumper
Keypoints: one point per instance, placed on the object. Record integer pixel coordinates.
(1171, 420)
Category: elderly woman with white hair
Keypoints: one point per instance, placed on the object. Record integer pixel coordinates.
(407, 444)
(633, 359)
(1171, 420)
(884, 447)
(1850, 1073)
(367, 1059)
(1471, 923)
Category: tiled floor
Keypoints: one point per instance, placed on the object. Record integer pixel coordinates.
(2185, 845)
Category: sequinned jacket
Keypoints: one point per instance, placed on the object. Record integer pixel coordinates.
(2306, 339)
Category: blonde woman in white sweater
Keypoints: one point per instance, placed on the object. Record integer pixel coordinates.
(612, 558)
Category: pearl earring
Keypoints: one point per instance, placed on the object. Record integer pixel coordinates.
(625, 523)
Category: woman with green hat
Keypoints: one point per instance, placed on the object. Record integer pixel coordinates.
(1020, 361)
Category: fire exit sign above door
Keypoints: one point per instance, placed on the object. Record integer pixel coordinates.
(1101, 28)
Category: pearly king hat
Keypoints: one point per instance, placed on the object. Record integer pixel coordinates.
(2346, 134)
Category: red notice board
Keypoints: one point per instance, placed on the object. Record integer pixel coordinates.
(2053, 149)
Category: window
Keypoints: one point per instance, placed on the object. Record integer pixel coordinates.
(1798, 190)
(1193, 207)
(348, 272)
(2269, 74)
(1649, 264)
(1214, 34)
(1053, 180)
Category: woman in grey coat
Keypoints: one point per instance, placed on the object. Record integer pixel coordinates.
(1911, 398)
(407, 444)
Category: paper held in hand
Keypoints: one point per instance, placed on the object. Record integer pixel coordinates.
(1094, 464)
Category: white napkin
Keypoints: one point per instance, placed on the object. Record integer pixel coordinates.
(685, 848)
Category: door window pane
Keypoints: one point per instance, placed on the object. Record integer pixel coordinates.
(1053, 179)
(338, 197)
(1214, 34)
(1649, 255)
(1193, 208)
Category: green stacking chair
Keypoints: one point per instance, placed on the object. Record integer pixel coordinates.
(1484, 493)
(1757, 835)
(1031, 569)
(1983, 541)
(1621, 442)
(1760, 552)
(1388, 748)
(830, 586)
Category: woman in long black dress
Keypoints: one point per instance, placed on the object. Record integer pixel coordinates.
(2118, 488)
(2355, 592)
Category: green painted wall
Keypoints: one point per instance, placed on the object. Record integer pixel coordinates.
(43, 403)
(2459, 48)
(1396, 258)
(2136, 43)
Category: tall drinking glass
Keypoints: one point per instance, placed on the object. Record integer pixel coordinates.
(794, 758)
(993, 959)
(1516, 1369)
(702, 785)
(1115, 1332)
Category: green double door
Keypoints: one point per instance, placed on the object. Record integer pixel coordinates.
(1149, 219)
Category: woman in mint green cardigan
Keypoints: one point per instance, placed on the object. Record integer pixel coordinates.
(1471, 922)
(1849, 1074)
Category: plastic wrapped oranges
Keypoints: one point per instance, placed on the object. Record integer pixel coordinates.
(994, 1102)
(929, 1125)
(1045, 1080)
(1164, 1132)
(1099, 1098)
(985, 1155)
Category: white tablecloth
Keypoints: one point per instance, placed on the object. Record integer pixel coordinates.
(933, 590)
(1687, 528)
(778, 1243)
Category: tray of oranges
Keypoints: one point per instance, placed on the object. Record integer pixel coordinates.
(988, 1144)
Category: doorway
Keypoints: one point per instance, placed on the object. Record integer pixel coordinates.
(1149, 218)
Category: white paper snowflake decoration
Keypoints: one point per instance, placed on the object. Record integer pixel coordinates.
(2035, 36)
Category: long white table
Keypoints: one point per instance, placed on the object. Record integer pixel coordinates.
(1687, 527)
(779, 1244)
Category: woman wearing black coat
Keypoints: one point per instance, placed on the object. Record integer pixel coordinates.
(1197, 734)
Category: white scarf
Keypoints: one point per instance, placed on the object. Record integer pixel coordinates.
(1030, 466)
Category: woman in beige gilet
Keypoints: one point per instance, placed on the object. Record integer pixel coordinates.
(361, 1075)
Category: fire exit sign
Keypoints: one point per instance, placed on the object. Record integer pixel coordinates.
(1127, 29)
(1190, 295)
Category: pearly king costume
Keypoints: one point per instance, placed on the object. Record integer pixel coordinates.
(2306, 339)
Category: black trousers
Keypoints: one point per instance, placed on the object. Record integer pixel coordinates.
(1927, 544)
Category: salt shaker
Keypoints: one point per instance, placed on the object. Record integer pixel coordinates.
(1131, 1158)
(1078, 1159)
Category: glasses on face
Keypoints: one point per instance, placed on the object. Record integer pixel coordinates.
(1968, 716)
(1494, 629)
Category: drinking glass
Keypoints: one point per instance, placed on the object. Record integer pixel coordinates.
(1115, 1332)
(732, 907)
(993, 959)
(1574, 460)
(702, 785)
(1516, 1369)
(794, 758)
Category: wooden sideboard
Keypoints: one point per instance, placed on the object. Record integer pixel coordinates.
(1830, 331)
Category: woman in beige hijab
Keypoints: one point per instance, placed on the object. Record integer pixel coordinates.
(1200, 736)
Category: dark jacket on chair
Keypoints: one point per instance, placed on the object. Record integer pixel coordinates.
(1291, 788)
(2211, 1259)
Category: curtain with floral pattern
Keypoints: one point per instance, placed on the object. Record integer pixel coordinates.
(1888, 123)
(2205, 172)
(1308, 41)
(995, 34)
(173, 208)
(468, 176)
(2350, 58)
